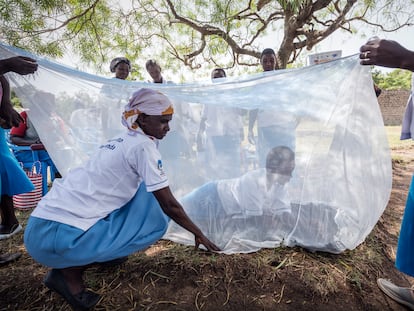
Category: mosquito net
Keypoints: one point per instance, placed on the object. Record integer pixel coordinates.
(290, 157)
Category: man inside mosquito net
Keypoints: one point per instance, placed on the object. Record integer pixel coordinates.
(228, 207)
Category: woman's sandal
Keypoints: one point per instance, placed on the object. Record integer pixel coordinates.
(85, 300)
(8, 258)
(7, 232)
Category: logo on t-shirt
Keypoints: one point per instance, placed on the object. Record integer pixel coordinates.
(107, 146)
(160, 168)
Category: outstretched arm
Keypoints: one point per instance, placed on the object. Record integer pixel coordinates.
(19, 64)
(173, 209)
(386, 53)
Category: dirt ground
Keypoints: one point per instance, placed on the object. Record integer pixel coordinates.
(174, 277)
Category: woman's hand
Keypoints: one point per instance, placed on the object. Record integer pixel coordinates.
(174, 210)
(201, 239)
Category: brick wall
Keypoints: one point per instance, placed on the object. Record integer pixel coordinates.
(392, 105)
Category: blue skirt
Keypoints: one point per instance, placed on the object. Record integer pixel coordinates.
(133, 227)
(13, 179)
(405, 250)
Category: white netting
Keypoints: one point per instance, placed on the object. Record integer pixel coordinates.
(327, 114)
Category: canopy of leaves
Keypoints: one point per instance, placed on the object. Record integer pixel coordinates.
(395, 80)
(223, 33)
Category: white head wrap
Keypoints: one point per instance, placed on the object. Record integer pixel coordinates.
(148, 101)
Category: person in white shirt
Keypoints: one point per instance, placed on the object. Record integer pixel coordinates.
(115, 204)
(274, 127)
(222, 128)
(114, 98)
(219, 207)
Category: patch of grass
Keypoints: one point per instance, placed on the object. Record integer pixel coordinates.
(393, 135)
(169, 276)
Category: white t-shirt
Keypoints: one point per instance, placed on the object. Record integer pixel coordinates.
(222, 121)
(282, 119)
(109, 180)
(249, 196)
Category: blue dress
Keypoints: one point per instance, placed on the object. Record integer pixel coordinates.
(13, 178)
(135, 226)
(405, 250)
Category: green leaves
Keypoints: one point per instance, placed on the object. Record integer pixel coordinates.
(397, 79)
(197, 34)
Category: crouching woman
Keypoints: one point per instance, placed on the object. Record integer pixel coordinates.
(117, 203)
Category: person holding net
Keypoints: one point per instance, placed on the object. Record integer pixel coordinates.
(117, 203)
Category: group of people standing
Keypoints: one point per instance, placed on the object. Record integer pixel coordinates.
(221, 130)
